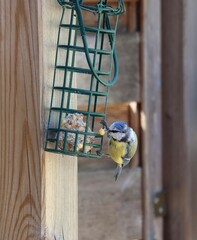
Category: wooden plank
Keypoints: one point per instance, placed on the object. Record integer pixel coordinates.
(134, 122)
(190, 72)
(60, 201)
(20, 118)
(131, 13)
(175, 185)
(151, 114)
(60, 211)
(179, 118)
(107, 209)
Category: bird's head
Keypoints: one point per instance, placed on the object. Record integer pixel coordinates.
(120, 132)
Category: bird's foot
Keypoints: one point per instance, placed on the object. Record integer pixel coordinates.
(104, 123)
(99, 153)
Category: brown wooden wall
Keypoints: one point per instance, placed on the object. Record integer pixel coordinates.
(38, 192)
(179, 51)
(20, 120)
(151, 117)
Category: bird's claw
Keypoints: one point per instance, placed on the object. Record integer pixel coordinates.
(104, 123)
(99, 153)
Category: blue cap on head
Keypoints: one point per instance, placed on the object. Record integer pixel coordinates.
(118, 126)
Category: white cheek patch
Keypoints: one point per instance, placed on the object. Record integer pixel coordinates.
(118, 136)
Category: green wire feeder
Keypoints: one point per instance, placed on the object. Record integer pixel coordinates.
(72, 131)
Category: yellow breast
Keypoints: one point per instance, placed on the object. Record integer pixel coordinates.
(117, 150)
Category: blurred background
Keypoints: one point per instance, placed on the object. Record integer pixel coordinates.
(156, 95)
(109, 210)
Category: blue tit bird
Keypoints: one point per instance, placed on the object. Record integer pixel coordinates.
(122, 144)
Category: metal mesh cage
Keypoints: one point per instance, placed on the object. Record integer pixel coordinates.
(70, 130)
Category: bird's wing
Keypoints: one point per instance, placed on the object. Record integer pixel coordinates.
(125, 161)
(126, 158)
(130, 151)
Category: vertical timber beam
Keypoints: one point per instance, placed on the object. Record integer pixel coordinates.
(38, 197)
(190, 103)
(179, 55)
(60, 203)
(151, 115)
(175, 169)
(20, 120)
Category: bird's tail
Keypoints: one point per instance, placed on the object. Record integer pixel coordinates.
(118, 172)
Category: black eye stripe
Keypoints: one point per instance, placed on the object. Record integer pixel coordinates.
(116, 131)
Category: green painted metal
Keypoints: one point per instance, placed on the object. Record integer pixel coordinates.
(98, 77)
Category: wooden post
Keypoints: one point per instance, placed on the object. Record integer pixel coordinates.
(131, 8)
(134, 121)
(38, 192)
(179, 117)
(20, 120)
(60, 203)
(151, 115)
(190, 73)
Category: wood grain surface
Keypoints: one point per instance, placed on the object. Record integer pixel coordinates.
(20, 118)
(190, 60)
(179, 118)
(176, 223)
(60, 202)
(151, 115)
